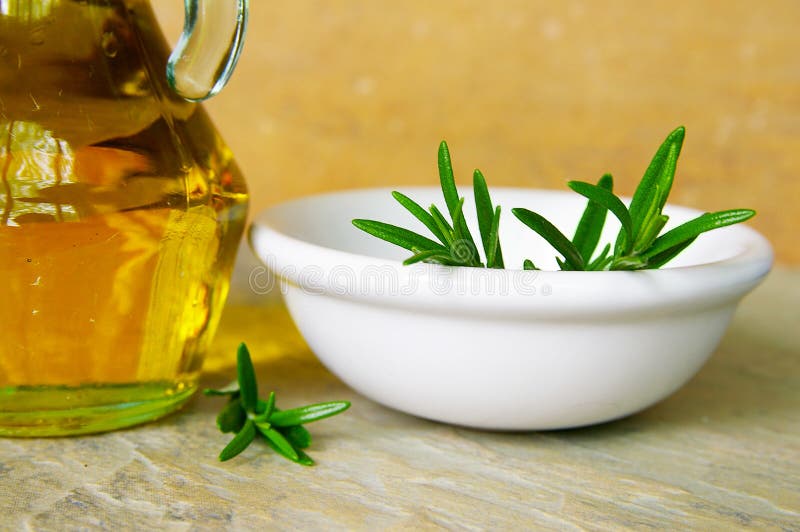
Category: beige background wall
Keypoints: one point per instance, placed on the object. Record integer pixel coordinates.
(337, 94)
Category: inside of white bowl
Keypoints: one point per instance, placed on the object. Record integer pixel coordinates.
(326, 220)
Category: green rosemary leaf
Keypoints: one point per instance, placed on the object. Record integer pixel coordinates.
(494, 256)
(693, 228)
(239, 442)
(269, 407)
(587, 234)
(528, 264)
(298, 435)
(628, 263)
(232, 417)
(652, 212)
(608, 201)
(549, 232)
(458, 216)
(420, 214)
(307, 414)
(441, 257)
(563, 265)
(650, 232)
(483, 205)
(247, 379)
(486, 219)
(281, 444)
(657, 180)
(664, 257)
(451, 196)
(463, 241)
(459, 238)
(602, 264)
(443, 225)
(302, 458)
(601, 261)
(397, 235)
(446, 178)
(668, 170)
(231, 390)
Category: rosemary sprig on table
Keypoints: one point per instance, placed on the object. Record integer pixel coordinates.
(639, 243)
(247, 416)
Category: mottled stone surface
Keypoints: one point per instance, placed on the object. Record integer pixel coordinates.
(722, 453)
(331, 95)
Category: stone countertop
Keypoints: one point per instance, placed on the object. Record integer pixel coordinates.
(722, 453)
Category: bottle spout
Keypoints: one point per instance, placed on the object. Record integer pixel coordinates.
(208, 49)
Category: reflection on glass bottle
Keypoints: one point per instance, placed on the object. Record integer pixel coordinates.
(120, 213)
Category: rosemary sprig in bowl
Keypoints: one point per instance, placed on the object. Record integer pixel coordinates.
(504, 348)
(455, 246)
(639, 244)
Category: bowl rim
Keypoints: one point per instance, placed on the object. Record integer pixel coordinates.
(560, 293)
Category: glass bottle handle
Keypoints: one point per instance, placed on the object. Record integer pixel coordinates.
(208, 49)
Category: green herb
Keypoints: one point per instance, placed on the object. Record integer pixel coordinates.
(455, 246)
(248, 416)
(639, 243)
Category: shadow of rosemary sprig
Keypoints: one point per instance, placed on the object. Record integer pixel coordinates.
(248, 416)
(639, 244)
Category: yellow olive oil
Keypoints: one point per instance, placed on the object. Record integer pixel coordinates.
(120, 214)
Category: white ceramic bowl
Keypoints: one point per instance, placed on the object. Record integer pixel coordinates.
(501, 349)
